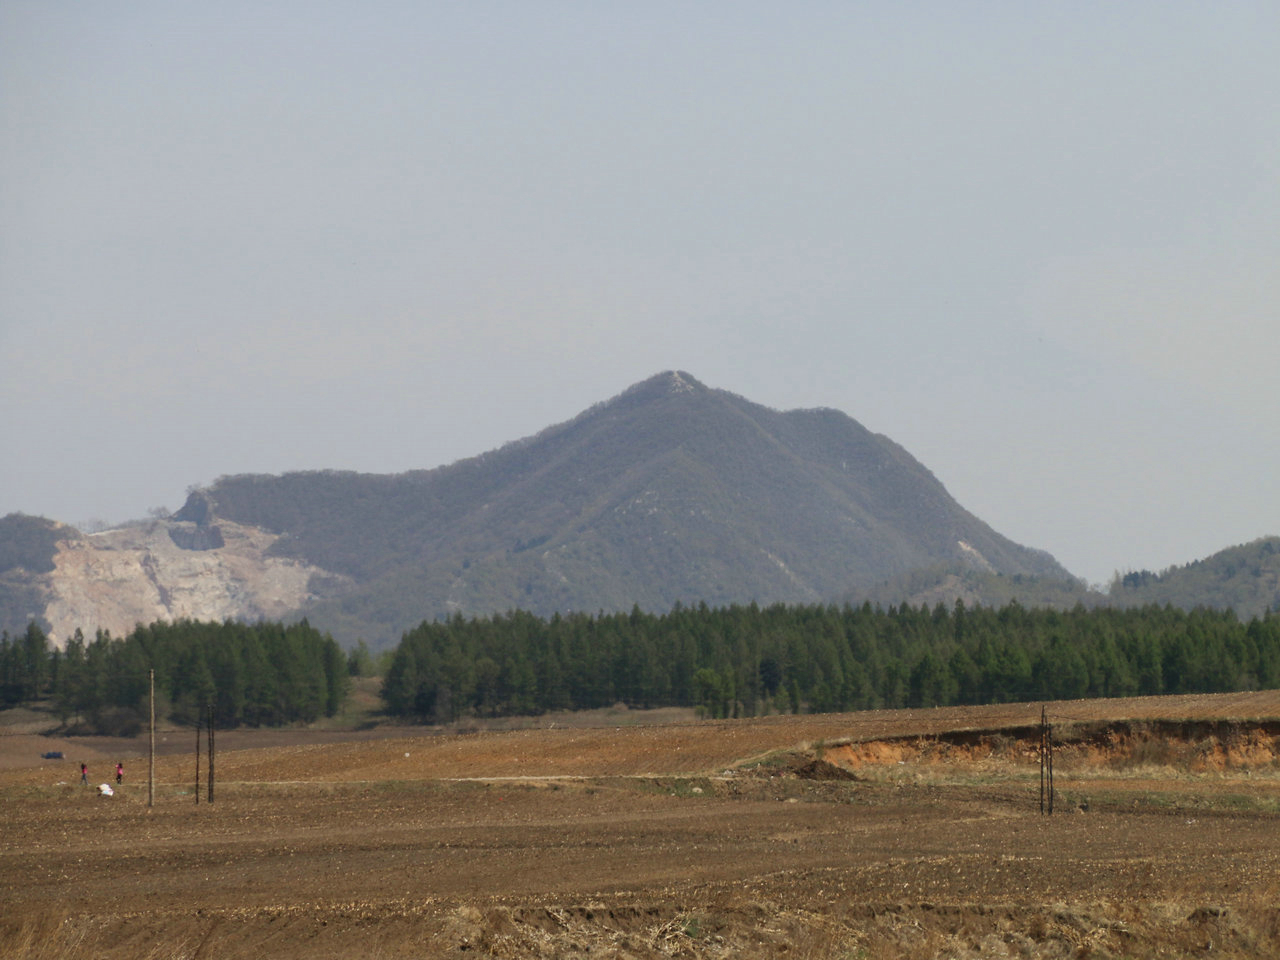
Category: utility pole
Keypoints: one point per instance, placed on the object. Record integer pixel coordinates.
(1040, 751)
(211, 708)
(199, 714)
(151, 759)
(1049, 738)
(1046, 764)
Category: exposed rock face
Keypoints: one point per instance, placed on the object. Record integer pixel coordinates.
(119, 578)
(190, 536)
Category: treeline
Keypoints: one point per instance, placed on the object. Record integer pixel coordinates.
(728, 661)
(745, 661)
(260, 674)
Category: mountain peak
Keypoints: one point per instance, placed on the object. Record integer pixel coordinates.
(680, 382)
(666, 384)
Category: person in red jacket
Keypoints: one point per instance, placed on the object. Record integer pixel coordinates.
(119, 772)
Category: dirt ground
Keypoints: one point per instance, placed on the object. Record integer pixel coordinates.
(878, 835)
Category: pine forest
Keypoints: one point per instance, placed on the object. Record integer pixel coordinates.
(727, 662)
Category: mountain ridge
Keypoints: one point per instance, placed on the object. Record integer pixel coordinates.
(669, 492)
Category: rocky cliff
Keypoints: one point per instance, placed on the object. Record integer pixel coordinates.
(166, 570)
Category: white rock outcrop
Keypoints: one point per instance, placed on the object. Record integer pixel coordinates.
(119, 578)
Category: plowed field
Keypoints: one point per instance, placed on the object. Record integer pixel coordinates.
(886, 834)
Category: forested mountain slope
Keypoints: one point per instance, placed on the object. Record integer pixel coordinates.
(1244, 578)
(671, 491)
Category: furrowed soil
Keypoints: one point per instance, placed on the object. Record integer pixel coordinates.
(880, 835)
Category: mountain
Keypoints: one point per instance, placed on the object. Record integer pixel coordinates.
(670, 492)
(1245, 578)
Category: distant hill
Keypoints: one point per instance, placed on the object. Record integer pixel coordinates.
(670, 492)
(1245, 578)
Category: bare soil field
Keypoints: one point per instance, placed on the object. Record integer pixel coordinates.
(880, 835)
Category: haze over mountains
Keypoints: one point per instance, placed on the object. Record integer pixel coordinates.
(671, 492)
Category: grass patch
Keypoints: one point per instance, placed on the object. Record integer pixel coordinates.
(40, 937)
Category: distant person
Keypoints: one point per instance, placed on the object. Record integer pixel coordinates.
(84, 774)
(119, 772)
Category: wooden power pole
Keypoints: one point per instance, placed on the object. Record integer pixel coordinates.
(211, 709)
(199, 714)
(151, 759)
(1046, 764)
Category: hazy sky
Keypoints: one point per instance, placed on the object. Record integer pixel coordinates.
(1037, 244)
